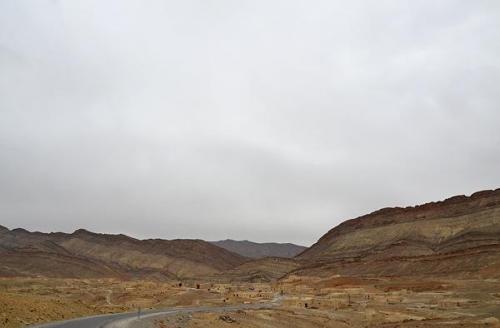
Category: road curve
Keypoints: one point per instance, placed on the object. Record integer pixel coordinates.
(121, 320)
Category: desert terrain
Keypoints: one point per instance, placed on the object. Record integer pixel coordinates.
(28, 301)
(304, 302)
(249, 164)
(432, 265)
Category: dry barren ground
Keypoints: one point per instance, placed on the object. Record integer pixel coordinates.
(307, 302)
(25, 301)
(354, 302)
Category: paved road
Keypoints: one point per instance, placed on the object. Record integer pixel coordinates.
(121, 320)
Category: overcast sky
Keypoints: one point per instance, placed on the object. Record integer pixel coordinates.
(260, 120)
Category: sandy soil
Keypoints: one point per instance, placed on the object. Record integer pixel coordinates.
(307, 302)
(26, 301)
(355, 302)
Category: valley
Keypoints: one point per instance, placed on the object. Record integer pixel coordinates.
(303, 302)
(432, 265)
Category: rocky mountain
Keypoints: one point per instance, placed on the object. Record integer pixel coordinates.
(457, 236)
(259, 250)
(88, 254)
(460, 235)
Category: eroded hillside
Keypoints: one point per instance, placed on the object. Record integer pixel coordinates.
(460, 235)
(85, 254)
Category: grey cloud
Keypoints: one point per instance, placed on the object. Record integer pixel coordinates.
(268, 121)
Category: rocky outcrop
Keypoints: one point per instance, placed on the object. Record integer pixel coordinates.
(460, 235)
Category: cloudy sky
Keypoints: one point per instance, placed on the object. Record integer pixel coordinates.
(259, 120)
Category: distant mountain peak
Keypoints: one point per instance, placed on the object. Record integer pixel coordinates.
(82, 231)
(256, 250)
(20, 230)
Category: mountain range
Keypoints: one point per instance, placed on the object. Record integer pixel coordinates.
(88, 254)
(457, 236)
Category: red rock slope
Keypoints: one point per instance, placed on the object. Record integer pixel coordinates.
(460, 235)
